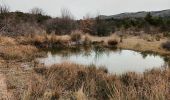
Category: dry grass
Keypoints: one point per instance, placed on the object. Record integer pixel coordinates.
(71, 81)
(136, 43)
(41, 38)
(18, 52)
(76, 35)
(104, 38)
(140, 43)
(86, 40)
(4, 40)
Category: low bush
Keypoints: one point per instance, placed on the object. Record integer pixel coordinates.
(166, 34)
(76, 36)
(87, 40)
(112, 42)
(158, 37)
(166, 45)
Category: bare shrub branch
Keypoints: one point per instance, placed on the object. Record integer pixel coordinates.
(66, 14)
(4, 9)
(37, 11)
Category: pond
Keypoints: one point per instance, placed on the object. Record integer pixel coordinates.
(115, 61)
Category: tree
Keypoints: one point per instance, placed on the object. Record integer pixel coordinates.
(4, 9)
(67, 21)
(102, 27)
(38, 15)
(66, 14)
(63, 25)
(148, 17)
(37, 11)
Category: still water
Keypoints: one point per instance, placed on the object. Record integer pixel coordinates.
(116, 61)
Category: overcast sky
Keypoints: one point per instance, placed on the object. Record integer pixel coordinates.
(80, 8)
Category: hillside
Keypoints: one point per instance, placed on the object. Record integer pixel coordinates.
(142, 14)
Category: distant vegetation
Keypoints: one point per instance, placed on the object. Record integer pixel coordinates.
(36, 21)
(19, 23)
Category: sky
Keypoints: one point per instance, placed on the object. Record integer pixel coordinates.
(80, 8)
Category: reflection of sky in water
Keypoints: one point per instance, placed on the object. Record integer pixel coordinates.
(115, 61)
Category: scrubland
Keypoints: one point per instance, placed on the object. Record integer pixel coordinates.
(26, 79)
(25, 36)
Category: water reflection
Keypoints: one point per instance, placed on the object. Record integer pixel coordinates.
(116, 61)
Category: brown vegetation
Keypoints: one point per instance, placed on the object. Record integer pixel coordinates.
(166, 45)
(140, 43)
(4, 40)
(112, 42)
(19, 52)
(76, 36)
(71, 81)
(23, 78)
(28, 80)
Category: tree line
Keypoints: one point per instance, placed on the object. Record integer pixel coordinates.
(36, 21)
